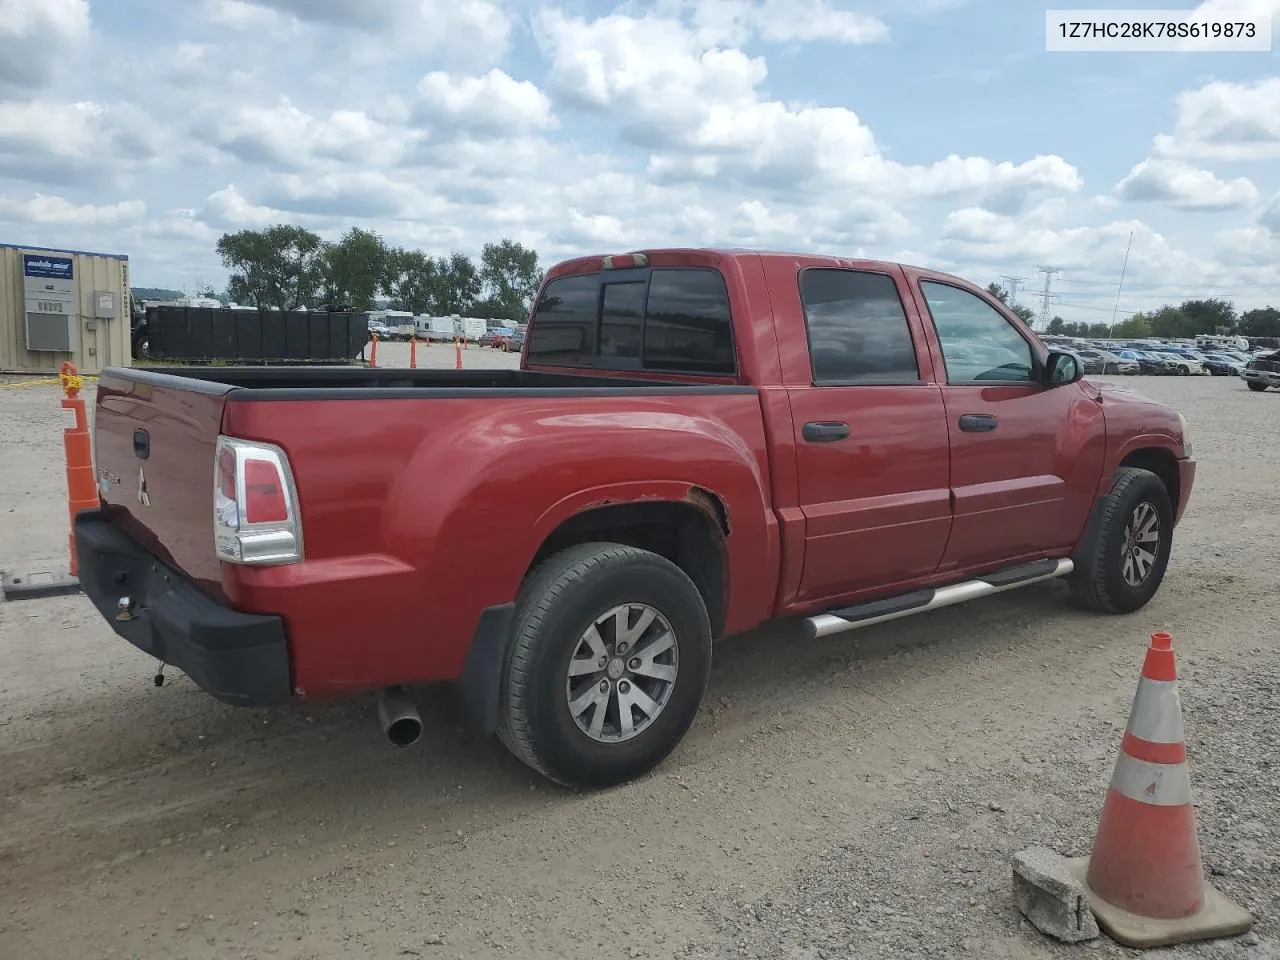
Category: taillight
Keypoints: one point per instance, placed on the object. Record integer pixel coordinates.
(255, 504)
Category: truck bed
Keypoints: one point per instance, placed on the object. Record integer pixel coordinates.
(347, 383)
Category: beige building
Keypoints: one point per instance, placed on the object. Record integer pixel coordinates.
(58, 305)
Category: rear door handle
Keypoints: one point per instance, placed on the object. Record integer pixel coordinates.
(825, 431)
(978, 423)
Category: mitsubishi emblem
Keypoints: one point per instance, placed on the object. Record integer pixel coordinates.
(144, 498)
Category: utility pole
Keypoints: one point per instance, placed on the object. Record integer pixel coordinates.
(1049, 273)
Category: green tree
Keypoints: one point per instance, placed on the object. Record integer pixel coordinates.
(1000, 293)
(1263, 322)
(412, 281)
(355, 268)
(511, 276)
(1135, 327)
(279, 266)
(1057, 326)
(460, 285)
(1209, 316)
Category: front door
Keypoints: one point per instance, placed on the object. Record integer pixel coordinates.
(1025, 457)
(870, 436)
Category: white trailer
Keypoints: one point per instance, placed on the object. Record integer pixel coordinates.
(473, 328)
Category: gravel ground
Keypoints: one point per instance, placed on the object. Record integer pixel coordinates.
(836, 798)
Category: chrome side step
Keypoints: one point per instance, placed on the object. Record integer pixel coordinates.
(919, 601)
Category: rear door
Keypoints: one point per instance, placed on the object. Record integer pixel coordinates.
(869, 430)
(1025, 457)
(155, 438)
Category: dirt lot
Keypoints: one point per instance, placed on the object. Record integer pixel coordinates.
(835, 799)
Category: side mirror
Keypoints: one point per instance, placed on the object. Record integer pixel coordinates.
(1062, 368)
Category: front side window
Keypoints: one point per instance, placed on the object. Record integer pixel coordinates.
(858, 330)
(978, 343)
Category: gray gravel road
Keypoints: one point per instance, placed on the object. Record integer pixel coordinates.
(836, 798)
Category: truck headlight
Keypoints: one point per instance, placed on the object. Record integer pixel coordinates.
(1186, 435)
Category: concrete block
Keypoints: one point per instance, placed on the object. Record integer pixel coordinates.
(36, 586)
(1049, 895)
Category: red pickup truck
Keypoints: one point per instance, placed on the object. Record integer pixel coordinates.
(696, 442)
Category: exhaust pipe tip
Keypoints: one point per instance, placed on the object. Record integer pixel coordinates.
(400, 721)
(404, 732)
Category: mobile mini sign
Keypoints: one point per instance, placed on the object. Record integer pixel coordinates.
(39, 267)
(46, 277)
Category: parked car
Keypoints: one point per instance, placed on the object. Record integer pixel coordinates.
(496, 337)
(1220, 365)
(1104, 361)
(514, 343)
(702, 441)
(1148, 363)
(1182, 365)
(1262, 372)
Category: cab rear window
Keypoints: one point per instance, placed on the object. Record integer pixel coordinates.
(663, 319)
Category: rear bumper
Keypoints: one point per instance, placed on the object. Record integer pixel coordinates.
(239, 658)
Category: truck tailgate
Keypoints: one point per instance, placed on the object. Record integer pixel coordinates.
(154, 449)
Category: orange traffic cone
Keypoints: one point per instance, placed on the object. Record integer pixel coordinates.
(457, 347)
(413, 352)
(77, 444)
(1144, 880)
(373, 351)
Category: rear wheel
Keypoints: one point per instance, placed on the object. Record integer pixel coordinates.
(1122, 564)
(609, 660)
(1256, 385)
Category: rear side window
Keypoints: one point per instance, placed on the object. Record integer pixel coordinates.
(687, 325)
(857, 327)
(674, 319)
(563, 330)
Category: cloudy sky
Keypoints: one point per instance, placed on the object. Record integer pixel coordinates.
(937, 132)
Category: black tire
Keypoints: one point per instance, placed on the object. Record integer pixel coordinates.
(1098, 581)
(558, 602)
(1256, 386)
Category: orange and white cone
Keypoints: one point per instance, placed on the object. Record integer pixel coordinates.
(1145, 879)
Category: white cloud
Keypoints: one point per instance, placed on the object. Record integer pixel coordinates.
(285, 137)
(700, 112)
(1184, 187)
(1269, 216)
(368, 194)
(230, 209)
(42, 209)
(37, 38)
(1225, 121)
(44, 141)
(457, 31)
(778, 21)
(494, 103)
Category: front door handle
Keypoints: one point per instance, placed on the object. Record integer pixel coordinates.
(825, 431)
(978, 423)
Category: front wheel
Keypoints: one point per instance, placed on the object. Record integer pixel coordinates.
(1122, 562)
(609, 660)
(1256, 385)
